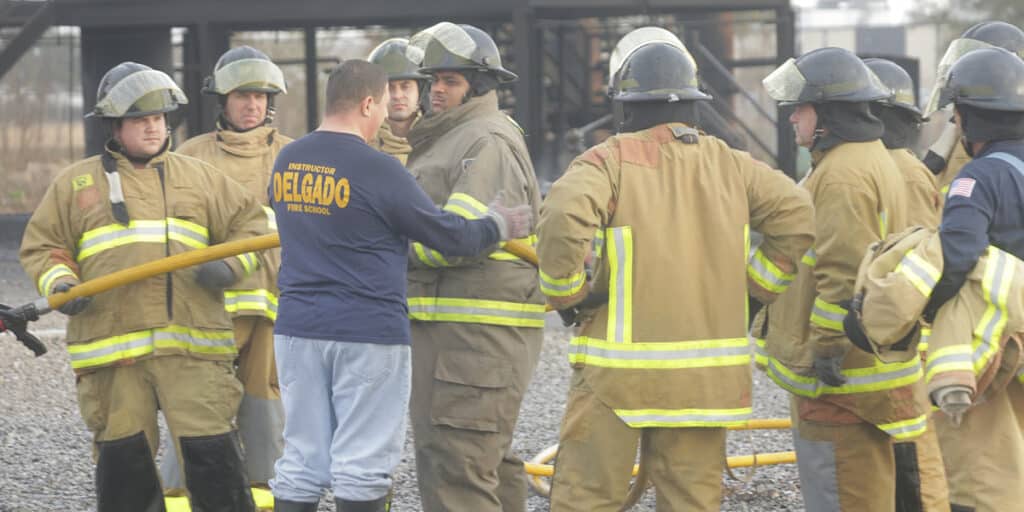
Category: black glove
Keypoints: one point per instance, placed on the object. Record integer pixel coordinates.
(854, 331)
(828, 368)
(73, 306)
(593, 300)
(215, 275)
(16, 321)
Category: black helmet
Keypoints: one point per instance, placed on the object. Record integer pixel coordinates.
(401, 61)
(657, 72)
(450, 47)
(245, 69)
(131, 89)
(824, 75)
(998, 33)
(987, 79)
(897, 81)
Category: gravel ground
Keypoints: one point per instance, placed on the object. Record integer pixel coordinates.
(45, 455)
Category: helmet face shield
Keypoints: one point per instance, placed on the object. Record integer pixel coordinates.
(257, 75)
(450, 47)
(395, 56)
(140, 94)
(637, 39)
(958, 48)
(786, 84)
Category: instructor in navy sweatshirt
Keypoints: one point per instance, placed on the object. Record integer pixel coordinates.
(346, 214)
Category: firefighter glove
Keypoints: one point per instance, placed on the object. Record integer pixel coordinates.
(215, 275)
(938, 154)
(514, 221)
(954, 401)
(827, 370)
(73, 306)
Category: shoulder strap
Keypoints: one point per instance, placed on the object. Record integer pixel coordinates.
(1014, 162)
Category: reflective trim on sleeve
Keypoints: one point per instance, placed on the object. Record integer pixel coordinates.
(810, 258)
(50, 277)
(883, 223)
(428, 256)
(906, 429)
(562, 287)
(260, 300)
(249, 262)
(660, 355)
(767, 274)
(106, 351)
(271, 218)
(466, 206)
(882, 377)
(620, 284)
(828, 316)
(995, 285)
(476, 311)
(922, 274)
(188, 233)
(946, 359)
(646, 418)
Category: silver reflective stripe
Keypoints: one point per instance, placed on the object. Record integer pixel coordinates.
(815, 388)
(467, 310)
(694, 353)
(112, 349)
(121, 233)
(568, 287)
(194, 340)
(946, 359)
(990, 327)
(471, 208)
(912, 265)
(766, 274)
(618, 245)
(235, 300)
(187, 233)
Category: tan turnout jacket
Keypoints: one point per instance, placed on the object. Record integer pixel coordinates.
(922, 191)
(670, 211)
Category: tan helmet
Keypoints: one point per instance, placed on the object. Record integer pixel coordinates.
(245, 69)
(131, 89)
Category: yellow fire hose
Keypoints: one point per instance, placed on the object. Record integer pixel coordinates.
(538, 467)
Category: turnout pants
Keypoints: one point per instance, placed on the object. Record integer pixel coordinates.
(984, 456)
(260, 414)
(597, 450)
(857, 467)
(468, 381)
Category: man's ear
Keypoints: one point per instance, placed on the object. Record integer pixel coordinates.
(366, 105)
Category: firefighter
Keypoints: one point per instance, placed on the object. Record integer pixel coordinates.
(405, 87)
(852, 413)
(162, 343)
(902, 119)
(243, 146)
(661, 351)
(946, 156)
(477, 323)
(984, 207)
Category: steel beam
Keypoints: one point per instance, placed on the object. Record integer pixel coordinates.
(30, 32)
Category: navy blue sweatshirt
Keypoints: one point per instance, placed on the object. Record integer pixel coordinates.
(984, 206)
(346, 213)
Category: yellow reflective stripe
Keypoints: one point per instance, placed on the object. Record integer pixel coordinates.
(271, 218)
(50, 277)
(140, 343)
(428, 256)
(999, 273)
(767, 274)
(883, 223)
(881, 377)
(249, 262)
(476, 311)
(259, 299)
(116, 235)
(563, 286)
(501, 255)
(660, 355)
(746, 252)
(810, 258)
(906, 429)
(188, 233)
(946, 359)
(465, 205)
(827, 315)
(920, 273)
(645, 418)
(1020, 374)
(620, 285)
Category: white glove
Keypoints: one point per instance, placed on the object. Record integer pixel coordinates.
(954, 401)
(513, 222)
(948, 139)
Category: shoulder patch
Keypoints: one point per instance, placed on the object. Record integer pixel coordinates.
(596, 155)
(81, 181)
(961, 187)
(640, 152)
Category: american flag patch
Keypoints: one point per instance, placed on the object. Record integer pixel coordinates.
(961, 187)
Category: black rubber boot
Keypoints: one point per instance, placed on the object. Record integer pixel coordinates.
(126, 476)
(377, 505)
(294, 506)
(215, 474)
